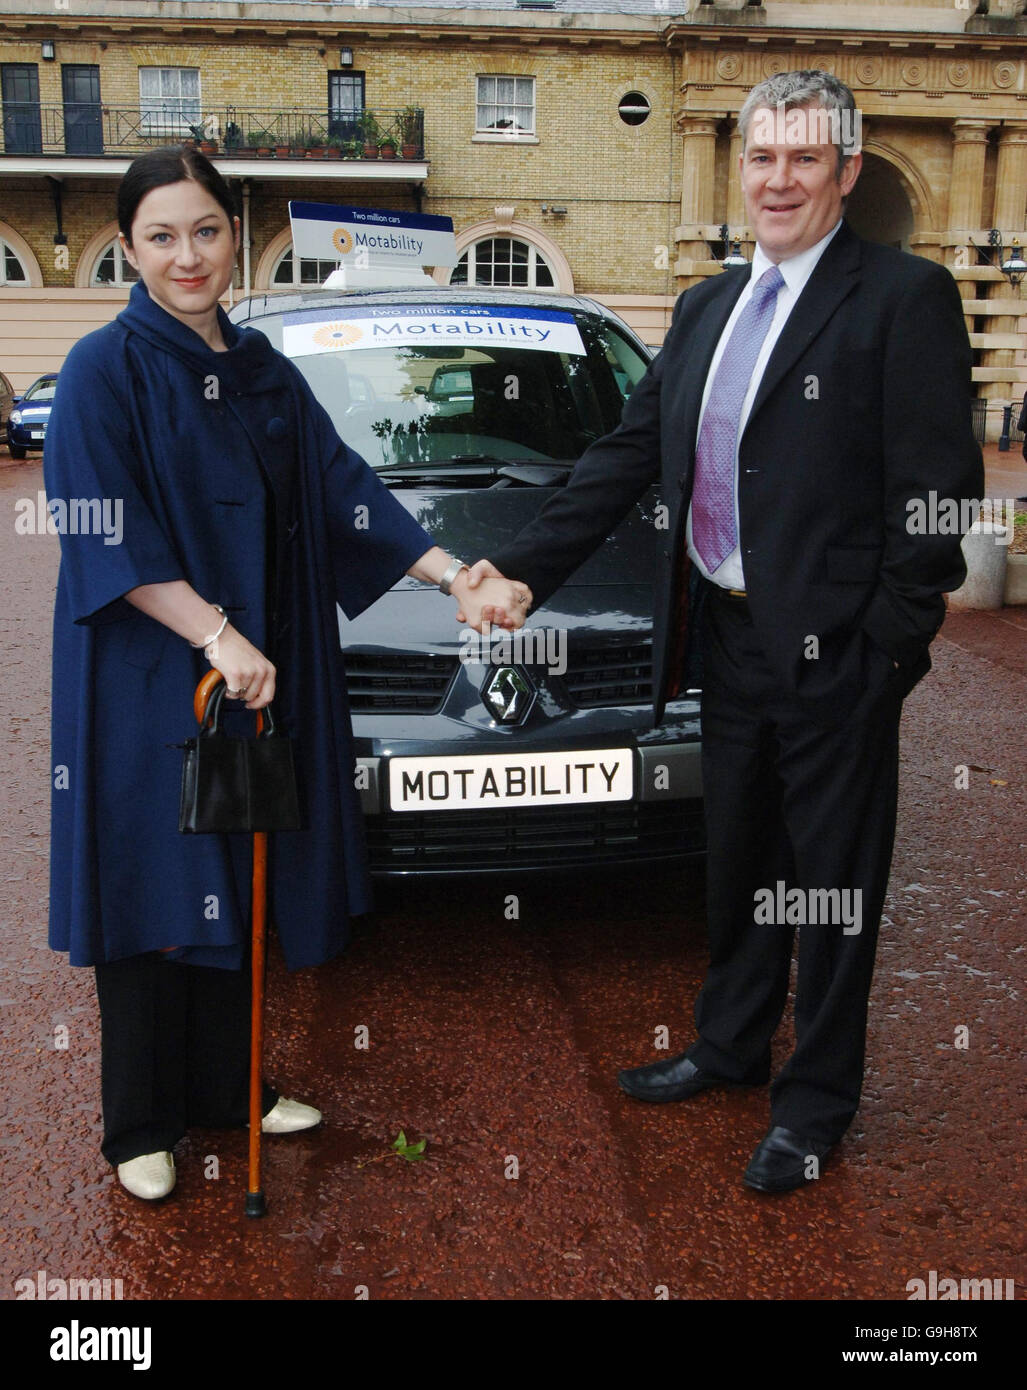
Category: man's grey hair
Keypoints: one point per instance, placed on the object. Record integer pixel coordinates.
(810, 87)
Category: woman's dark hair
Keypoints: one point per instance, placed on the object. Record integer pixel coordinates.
(157, 168)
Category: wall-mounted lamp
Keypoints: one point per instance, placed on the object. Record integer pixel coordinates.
(1013, 266)
(48, 51)
(345, 57)
(731, 251)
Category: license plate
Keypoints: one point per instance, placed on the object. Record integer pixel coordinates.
(510, 779)
(37, 434)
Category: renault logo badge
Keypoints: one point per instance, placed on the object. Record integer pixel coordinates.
(507, 694)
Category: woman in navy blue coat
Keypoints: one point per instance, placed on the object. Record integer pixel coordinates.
(228, 519)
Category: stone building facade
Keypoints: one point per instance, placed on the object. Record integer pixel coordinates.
(590, 145)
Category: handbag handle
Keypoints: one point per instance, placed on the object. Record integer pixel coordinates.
(207, 701)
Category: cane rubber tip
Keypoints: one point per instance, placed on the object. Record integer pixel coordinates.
(255, 1204)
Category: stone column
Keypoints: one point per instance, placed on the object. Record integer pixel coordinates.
(966, 186)
(697, 168)
(1011, 179)
(736, 214)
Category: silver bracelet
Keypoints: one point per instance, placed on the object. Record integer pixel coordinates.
(214, 635)
(452, 570)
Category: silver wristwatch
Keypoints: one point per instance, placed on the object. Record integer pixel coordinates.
(452, 570)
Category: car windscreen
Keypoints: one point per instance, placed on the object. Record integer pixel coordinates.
(431, 401)
(40, 392)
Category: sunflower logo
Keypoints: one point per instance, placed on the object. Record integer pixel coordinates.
(337, 335)
(342, 241)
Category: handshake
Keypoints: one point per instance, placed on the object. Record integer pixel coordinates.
(487, 599)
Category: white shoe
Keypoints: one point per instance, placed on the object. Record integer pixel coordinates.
(289, 1116)
(149, 1176)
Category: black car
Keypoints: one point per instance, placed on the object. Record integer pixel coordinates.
(534, 750)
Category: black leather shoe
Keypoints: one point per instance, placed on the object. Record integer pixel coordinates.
(673, 1078)
(783, 1161)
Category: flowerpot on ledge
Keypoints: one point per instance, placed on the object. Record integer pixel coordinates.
(388, 152)
(370, 151)
(409, 151)
(208, 147)
(283, 151)
(1016, 579)
(985, 550)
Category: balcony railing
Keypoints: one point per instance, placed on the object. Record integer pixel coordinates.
(84, 128)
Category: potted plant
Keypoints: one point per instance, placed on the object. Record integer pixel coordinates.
(372, 134)
(283, 148)
(261, 141)
(387, 145)
(313, 142)
(409, 122)
(985, 548)
(333, 147)
(1016, 562)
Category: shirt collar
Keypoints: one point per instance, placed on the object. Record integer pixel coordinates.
(796, 270)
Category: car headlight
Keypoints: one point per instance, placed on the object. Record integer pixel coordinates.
(15, 417)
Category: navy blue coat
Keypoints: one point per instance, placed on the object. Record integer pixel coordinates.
(232, 477)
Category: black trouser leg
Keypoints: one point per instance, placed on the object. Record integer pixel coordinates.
(839, 805)
(791, 802)
(175, 1044)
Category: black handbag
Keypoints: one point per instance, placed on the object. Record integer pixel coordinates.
(237, 784)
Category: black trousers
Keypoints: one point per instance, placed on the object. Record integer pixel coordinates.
(175, 1052)
(789, 802)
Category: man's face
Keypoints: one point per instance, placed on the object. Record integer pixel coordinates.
(793, 196)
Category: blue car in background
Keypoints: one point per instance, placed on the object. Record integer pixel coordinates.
(30, 415)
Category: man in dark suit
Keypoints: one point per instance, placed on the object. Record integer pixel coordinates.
(795, 411)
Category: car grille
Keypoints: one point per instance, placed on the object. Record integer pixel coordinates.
(398, 682)
(610, 675)
(416, 682)
(533, 837)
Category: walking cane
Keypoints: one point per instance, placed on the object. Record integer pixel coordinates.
(255, 1202)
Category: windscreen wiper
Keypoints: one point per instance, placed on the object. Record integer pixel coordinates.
(538, 472)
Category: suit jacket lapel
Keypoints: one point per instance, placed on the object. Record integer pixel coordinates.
(835, 276)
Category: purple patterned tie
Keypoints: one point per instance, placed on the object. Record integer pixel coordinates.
(713, 500)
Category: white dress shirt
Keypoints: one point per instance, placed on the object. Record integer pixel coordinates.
(795, 273)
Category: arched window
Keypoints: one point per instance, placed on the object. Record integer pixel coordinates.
(305, 271)
(503, 262)
(12, 272)
(112, 267)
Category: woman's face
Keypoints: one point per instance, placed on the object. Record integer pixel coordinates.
(184, 249)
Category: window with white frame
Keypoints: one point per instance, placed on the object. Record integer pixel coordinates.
(169, 101)
(12, 272)
(503, 262)
(113, 268)
(506, 105)
(305, 270)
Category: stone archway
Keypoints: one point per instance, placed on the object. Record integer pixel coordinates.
(879, 207)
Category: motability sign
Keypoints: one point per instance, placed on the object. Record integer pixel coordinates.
(371, 236)
(310, 331)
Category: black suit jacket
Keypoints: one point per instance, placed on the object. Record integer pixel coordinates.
(864, 405)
